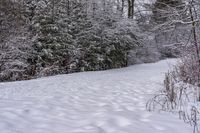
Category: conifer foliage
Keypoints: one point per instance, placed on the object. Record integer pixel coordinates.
(64, 36)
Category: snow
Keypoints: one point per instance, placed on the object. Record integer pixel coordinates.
(110, 101)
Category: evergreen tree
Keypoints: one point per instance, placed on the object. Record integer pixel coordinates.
(15, 42)
(104, 41)
(63, 36)
(52, 43)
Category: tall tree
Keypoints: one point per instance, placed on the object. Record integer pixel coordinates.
(131, 4)
(164, 10)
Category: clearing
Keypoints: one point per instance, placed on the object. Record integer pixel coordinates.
(110, 101)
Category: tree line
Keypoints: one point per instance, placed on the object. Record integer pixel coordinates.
(49, 37)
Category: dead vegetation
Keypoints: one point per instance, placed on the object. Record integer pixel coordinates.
(179, 97)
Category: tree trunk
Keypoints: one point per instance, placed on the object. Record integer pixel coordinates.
(93, 9)
(53, 10)
(196, 47)
(122, 9)
(131, 8)
(104, 6)
(133, 5)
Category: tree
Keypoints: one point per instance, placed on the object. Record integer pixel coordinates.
(63, 36)
(15, 41)
(168, 33)
(164, 10)
(131, 8)
(53, 41)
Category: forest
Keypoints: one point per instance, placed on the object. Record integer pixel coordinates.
(49, 37)
(45, 38)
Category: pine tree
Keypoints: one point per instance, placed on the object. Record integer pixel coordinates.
(104, 42)
(15, 42)
(52, 41)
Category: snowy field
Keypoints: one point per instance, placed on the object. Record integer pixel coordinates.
(110, 101)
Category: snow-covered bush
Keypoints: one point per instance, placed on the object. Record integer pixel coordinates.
(105, 47)
(49, 37)
(84, 41)
(14, 55)
(15, 42)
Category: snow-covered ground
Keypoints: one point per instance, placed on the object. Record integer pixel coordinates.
(110, 101)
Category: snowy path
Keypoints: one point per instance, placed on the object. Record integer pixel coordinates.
(92, 102)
